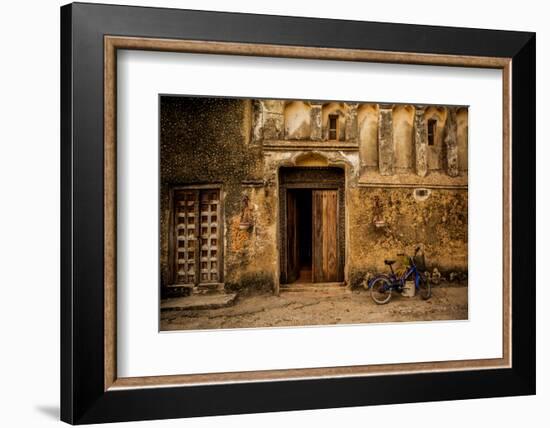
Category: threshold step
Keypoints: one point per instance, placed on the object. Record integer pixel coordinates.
(323, 287)
(198, 302)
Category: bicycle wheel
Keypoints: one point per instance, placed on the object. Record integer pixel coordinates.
(424, 287)
(380, 291)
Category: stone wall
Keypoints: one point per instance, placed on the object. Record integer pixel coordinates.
(400, 193)
(251, 255)
(368, 136)
(437, 223)
(208, 141)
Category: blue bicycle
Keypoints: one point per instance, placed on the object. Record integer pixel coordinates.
(381, 286)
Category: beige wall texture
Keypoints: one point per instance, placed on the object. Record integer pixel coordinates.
(399, 192)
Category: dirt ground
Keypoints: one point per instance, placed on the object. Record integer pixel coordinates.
(321, 308)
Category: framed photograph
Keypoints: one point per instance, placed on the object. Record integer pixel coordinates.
(266, 213)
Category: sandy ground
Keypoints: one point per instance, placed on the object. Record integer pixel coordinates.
(319, 308)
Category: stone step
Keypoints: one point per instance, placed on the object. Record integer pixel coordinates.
(181, 290)
(198, 302)
(325, 287)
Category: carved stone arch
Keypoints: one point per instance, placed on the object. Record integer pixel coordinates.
(436, 153)
(312, 158)
(309, 103)
(367, 119)
(329, 110)
(328, 159)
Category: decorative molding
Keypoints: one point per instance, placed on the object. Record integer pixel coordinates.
(385, 140)
(451, 142)
(414, 186)
(290, 145)
(420, 142)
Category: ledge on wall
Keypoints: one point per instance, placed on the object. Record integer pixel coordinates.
(433, 180)
(286, 145)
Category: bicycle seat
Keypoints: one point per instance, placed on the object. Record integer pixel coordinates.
(389, 262)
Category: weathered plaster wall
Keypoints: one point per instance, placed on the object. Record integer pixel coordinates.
(436, 153)
(462, 137)
(206, 140)
(340, 110)
(439, 224)
(272, 119)
(403, 117)
(367, 117)
(297, 116)
(251, 255)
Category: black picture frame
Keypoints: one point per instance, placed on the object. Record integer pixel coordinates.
(83, 398)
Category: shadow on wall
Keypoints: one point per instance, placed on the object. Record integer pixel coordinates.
(50, 411)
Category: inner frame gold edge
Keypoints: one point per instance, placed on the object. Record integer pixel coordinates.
(299, 374)
(112, 43)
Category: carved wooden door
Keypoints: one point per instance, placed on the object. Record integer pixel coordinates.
(209, 236)
(186, 205)
(292, 238)
(325, 235)
(197, 230)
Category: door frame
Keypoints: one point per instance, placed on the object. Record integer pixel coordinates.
(314, 178)
(291, 265)
(172, 262)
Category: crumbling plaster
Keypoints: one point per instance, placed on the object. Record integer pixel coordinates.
(222, 141)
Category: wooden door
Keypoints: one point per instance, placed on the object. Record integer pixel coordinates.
(186, 206)
(325, 235)
(292, 266)
(197, 236)
(209, 236)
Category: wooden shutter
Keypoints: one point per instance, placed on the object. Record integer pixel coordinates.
(325, 235)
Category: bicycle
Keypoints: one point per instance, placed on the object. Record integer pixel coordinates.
(381, 286)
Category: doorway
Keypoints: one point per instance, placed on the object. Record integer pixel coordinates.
(299, 235)
(312, 225)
